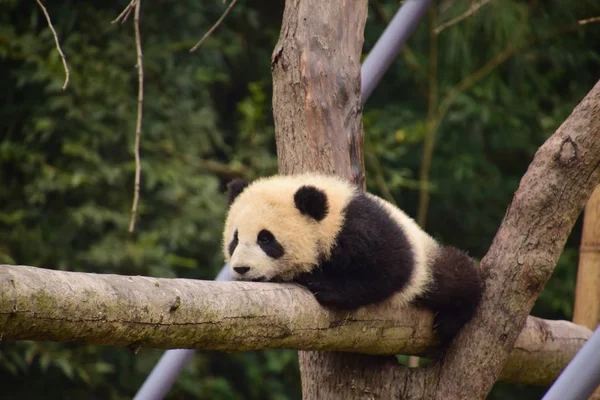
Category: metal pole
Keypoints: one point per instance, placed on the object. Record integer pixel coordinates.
(389, 44)
(162, 377)
(582, 376)
(160, 380)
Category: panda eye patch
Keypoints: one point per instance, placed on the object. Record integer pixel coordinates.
(233, 244)
(265, 237)
(269, 244)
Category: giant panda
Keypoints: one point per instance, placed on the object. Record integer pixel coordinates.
(348, 247)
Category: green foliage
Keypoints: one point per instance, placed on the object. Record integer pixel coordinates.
(67, 165)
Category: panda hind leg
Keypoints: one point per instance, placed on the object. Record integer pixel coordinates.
(454, 294)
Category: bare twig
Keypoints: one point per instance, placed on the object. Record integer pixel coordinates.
(218, 168)
(589, 21)
(60, 52)
(500, 58)
(138, 128)
(380, 13)
(429, 141)
(434, 120)
(215, 26)
(125, 13)
(472, 10)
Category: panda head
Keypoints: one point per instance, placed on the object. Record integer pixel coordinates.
(281, 226)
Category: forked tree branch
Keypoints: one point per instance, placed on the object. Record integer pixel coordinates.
(41, 304)
(551, 195)
(125, 13)
(215, 26)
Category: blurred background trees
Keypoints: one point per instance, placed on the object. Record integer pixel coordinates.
(506, 78)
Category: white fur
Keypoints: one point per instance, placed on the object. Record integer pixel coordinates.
(268, 203)
(424, 249)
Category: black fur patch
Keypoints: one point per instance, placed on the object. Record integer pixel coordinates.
(312, 202)
(269, 244)
(454, 293)
(234, 188)
(371, 259)
(233, 244)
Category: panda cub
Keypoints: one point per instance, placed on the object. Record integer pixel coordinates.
(348, 247)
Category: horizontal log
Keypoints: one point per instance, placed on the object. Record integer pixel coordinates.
(136, 311)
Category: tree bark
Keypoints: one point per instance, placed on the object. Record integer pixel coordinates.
(135, 311)
(318, 127)
(316, 88)
(316, 107)
(551, 195)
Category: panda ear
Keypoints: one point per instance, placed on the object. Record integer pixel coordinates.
(234, 188)
(312, 202)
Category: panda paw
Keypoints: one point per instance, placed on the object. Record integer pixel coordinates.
(325, 293)
(330, 299)
(329, 296)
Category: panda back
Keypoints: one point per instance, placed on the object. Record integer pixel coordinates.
(378, 250)
(424, 249)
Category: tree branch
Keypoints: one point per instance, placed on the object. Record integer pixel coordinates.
(136, 311)
(214, 27)
(125, 13)
(429, 139)
(472, 10)
(551, 195)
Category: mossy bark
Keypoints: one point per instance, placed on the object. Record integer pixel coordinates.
(137, 312)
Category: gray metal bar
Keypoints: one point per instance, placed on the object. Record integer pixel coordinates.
(582, 376)
(164, 374)
(389, 44)
(162, 377)
(160, 380)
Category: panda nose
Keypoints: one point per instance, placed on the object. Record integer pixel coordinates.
(241, 270)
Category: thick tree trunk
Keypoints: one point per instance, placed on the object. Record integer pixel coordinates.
(316, 88)
(317, 119)
(318, 127)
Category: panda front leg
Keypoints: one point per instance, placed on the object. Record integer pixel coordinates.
(348, 293)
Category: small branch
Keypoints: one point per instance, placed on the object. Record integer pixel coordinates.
(214, 27)
(380, 13)
(125, 13)
(138, 128)
(429, 142)
(429, 139)
(472, 10)
(60, 52)
(380, 181)
(113, 310)
(589, 21)
(217, 168)
(471, 79)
